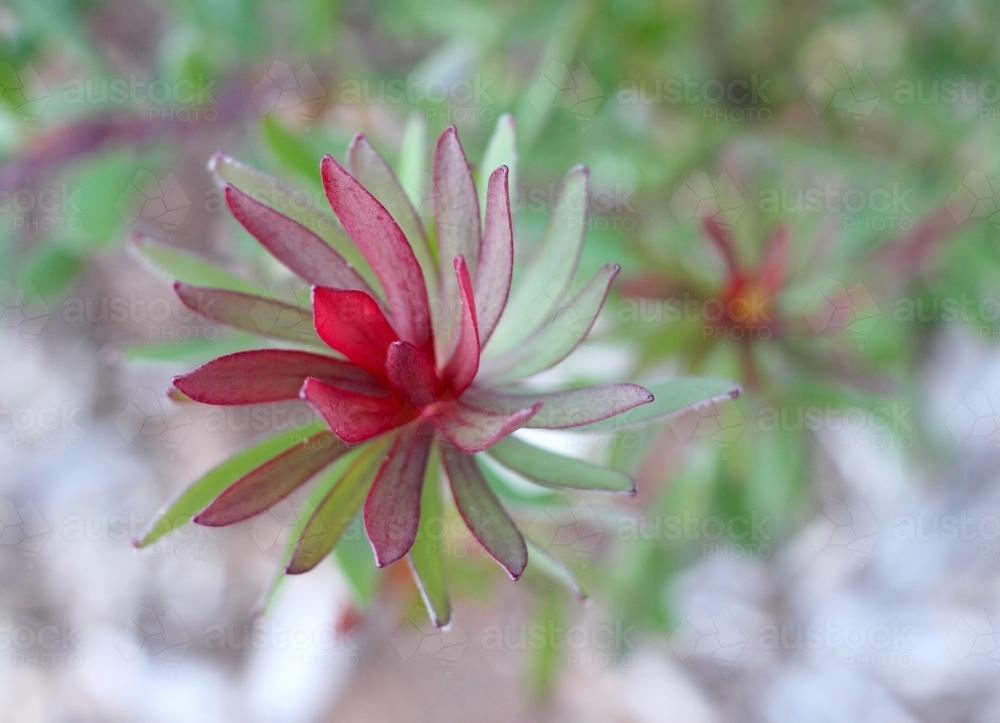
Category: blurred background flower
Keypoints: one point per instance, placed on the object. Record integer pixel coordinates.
(820, 549)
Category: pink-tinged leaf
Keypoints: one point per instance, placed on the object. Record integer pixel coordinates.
(473, 429)
(307, 255)
(411, 374)
(496, 262)
(274, 480)
(485, 517)
(720, 238)
(260, 315)
(353, 417)
(775, 266)
(269, 375)
(456, 211)
(385, 247)
(669, 398)
(557, 337)
(540, 291)
(264, 188)
(352, 323)
(565, 409)
(338, 507)
(392, 510)
(464, 361)
(372, 171)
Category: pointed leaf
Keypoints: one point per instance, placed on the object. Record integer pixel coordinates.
(412, 159)
(260, 315)
(552, 567)
(547, 278)
(565, 409)
(269, 375)
(297, 205)
(382, 242)
(549, 469)
(411, 374)
(472, 429)
(425, 557)
(375, 174)
(324, 483)
(464, 361)
(190, 351)
(337, 509)
(272, 481)
(352, 323)
(486, 519)
(497, 262)
(304, 253)
(176, 264)
(352, 416)
(558, 337)
(669, 397)
(196, 496)
(392, 510)
(456, 212)
(500, 151)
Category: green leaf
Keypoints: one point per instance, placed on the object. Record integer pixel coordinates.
(413, 159)
(483, 514)
(549, 469)
(51, 270)
(669, 397)
(197, 496)
(297, 205)
(357, 562)
(92, 195)
(291, 150)
(544, 662)
(175, 264)
(191, 350)
(500, 151)
(426, 562)
(510, 486)
(538, 294)
(336, 509)
(553, 568)
(557, 335)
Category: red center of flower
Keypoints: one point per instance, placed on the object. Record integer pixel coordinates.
(405, 381)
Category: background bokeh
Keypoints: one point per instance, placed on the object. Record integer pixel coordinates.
(825, 548)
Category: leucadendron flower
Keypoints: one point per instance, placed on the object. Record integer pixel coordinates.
(412, 356)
